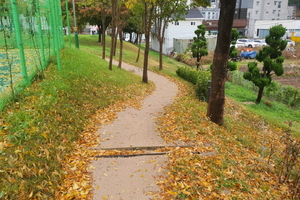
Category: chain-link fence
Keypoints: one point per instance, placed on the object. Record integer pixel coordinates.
(31, 32)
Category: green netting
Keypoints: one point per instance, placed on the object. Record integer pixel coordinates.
(30, 33)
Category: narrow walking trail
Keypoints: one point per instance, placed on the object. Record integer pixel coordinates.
(133, 178)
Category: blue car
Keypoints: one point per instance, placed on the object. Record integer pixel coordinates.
(248, 54)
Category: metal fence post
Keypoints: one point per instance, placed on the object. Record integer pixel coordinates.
(55, 32)
(14, 6)
(68, 23)
(40, 31)
(60, 24)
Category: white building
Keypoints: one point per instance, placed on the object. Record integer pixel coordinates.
(180, 29)
(262, 27)
(212, 12)
(266, 10)
(253, 10)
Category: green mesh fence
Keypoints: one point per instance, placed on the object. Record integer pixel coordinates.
(31, 32)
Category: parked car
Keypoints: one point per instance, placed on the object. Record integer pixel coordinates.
(260, 42)
(245, 43)
(290, 43)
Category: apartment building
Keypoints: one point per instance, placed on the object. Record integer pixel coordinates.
(252, 11)
(266, 10)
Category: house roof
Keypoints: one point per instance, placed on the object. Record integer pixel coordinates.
(194, 13)
(239, 24)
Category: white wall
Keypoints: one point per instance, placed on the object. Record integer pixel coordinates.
(290, 25)
(183, 30)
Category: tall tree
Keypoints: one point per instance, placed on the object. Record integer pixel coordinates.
(272, 59)
(294, 3)
(147, 7)
(121, 21)
(164, 13)
(94, 13)
(199, 47)
(215, 110)
(137, 20)
(148, 17)
(113, 32)
(105, 21)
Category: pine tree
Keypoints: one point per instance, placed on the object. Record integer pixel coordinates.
(272, 59)
(199, 47)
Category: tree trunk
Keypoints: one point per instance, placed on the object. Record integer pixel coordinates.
(260, 93)
(146, 54)
(161, 42)
(115, 43)
(136, 41)
(215, 110)
(139, 37)
(99, 37)
(130, 37)
(121, 50)
(113, 32)
(103, 45)
(147, 23)
(198, 62)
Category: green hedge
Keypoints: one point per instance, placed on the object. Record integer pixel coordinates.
(198, 78)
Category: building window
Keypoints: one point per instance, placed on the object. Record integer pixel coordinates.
(257, 3)
(256, 12)
(274, 11)
(275, 2)
(278, 13)
(279, 4)
(193, 23)
(176, 23)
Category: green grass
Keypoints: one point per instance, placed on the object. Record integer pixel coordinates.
(273, 112)
(38, 131)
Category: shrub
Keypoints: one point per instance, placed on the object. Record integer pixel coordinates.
(291, 96)
(198, 78)
(202, 84)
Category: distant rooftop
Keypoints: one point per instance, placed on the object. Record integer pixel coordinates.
(194, 13)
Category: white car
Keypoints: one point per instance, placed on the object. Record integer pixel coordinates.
(260, 43)
(290, 43)
(245, 43)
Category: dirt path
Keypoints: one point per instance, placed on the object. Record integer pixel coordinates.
(133, 178)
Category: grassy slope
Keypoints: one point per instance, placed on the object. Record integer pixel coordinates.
(38, 133)
(250, 146)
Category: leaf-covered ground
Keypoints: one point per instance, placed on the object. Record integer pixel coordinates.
(44, 135)
(47, 140)
(245, 160)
